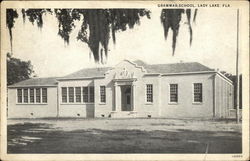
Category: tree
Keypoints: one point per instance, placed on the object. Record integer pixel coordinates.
(171, 18)
(97, 24)
(18, 70)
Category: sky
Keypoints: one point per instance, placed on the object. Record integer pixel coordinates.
(214, 44)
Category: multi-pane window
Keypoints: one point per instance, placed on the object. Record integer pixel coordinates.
(91, 94)
(19, 95)
(197, 92)
(25, 95)
(173, 92)
(38, 95)
(71, 94)
(103, 94)
(149, 93)
(64, 94)
(78, 94)
(32, 95)
(32, 98)
(85, 94)
(44, 95)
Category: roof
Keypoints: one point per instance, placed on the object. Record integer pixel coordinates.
(50, 81)
(173, 68)
(99, 72)
(156, 68)
(88, 72)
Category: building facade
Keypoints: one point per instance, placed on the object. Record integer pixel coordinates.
(130, 89)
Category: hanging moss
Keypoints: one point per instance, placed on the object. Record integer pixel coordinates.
(102, 22)
(170, 19)
(11, 15)
(66, 19)
(35, 15)
(97, 26)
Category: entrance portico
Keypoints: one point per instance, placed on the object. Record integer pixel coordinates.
(124, 96)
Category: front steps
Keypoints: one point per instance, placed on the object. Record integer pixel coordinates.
(123, 114)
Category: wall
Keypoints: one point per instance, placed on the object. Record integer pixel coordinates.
(224, 94)
(144, 108)
(81, 110)
(39, 110)
(185, 106)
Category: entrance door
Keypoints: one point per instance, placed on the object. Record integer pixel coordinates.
(126, 98)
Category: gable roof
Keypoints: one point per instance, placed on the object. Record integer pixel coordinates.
(99, 72)
(50, 81)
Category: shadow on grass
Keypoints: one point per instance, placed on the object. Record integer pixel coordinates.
(42, 138)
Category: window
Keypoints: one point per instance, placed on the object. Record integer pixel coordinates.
(38, 95)
(85, 94)
(64, 94)
(25, 95)
(149, 93)
(32, 98)
(19, 95)
(91, 94)
(197, 92)
(173, 92)
(78, 94)
(103, 94)
(32, 95)
(71, 94)
(44, 95)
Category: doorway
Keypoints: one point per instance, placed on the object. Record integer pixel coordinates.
(126, 98)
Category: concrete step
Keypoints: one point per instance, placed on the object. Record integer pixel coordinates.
(123, 114)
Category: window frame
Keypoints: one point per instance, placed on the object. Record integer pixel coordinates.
(84, 94)
(78, 94)
(44, 96)
(34, 95)
(193, 94)
(177, 94)
(40, 101)
(103, 93)
(149, 94)
(17, 98)
(63, 95)
(71, 95)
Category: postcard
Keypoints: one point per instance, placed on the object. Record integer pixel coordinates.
(125, 80)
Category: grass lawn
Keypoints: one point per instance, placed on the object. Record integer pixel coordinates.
(123, 136)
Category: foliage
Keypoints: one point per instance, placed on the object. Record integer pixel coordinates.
(97, 24)
(11, 15)
(170, 19)
(18, 70)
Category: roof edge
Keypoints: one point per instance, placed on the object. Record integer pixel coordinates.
(182, 73)
(224, 77)
(80, 78)
(23, 86)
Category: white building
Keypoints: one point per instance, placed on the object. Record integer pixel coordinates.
(130, 89)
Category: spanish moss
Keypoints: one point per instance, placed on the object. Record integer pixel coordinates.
(102, 22)
(170, 19)
(35, 16)
(11, 15)
(97, 25)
